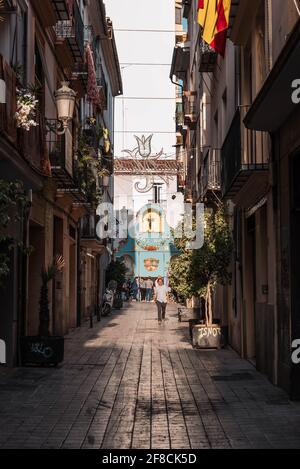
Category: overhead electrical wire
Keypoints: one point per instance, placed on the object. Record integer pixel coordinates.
(145, 97)
(146, 30)
(148, 64)
(143, 132)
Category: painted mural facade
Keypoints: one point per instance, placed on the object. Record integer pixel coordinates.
(150, 253)
(146, 187)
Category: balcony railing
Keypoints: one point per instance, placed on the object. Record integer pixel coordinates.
(31, 143)
(211, 173)
(88, 227)
(244, 153)
(190, 114)
(208, 58)
(179, 119)
(72, 30)
(64, 167)
(56, 146)
(89, 237)
(8, 109)
(62, 9)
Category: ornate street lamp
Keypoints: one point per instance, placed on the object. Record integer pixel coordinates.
(65, 99)
(106, 181)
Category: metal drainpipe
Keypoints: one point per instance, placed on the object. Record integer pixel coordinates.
(269, 35)
(238, 76)
(78, 277)
(182, 87)
(22, 279)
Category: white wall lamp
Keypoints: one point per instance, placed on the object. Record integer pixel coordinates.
(65, 99)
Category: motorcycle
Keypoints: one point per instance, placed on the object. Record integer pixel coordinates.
(108, 300)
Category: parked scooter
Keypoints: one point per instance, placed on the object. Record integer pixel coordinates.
(108, 301)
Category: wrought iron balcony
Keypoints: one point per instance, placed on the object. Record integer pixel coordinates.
(179, 119)
(63, 164)
(8, 109)
(208, 58)
(244, 154)
(56, 146)
(190, 114)
(211, 172)
(31, 143)
(88, 227)
(62, 9)
(72, 30)
(89, 237)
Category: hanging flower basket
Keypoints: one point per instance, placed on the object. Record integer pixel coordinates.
(92, 86)
(26, 110)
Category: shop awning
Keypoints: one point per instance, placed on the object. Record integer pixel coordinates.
(180, 61)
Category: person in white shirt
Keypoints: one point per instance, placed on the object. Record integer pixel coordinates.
(157, 280)
(161, 299)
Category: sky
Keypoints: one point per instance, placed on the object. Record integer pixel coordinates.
(144, 116)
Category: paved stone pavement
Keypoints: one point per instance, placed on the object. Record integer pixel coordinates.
(129, 383)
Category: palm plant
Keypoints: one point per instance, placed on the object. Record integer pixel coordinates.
(48, 275)
(1, 8)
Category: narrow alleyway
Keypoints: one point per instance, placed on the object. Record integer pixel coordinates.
(130, 384)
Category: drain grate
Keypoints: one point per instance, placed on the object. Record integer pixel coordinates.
(234, 377)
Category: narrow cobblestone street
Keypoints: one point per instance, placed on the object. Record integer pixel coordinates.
(129, 383)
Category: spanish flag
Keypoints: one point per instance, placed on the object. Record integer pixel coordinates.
(213, 16)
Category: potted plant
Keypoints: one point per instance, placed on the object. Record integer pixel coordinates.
(196, 273)
(116, 272)
(44, 349)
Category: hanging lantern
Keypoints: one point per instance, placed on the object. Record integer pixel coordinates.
(65, 99)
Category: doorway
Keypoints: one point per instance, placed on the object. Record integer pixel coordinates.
(295, 270)
(250, 289)
(72, 286)
(57, 290)
(36, 263)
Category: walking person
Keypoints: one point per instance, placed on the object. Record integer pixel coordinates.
(136, 289)
(157, 280)
(149, 290)
(161, 299)
(143, 290)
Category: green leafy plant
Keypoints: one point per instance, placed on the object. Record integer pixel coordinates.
(89, 167)
(117, 271)
(1, 8)
(48, 275)
(197, 272)
(103, 172)
(87, 177)
(13, 203)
